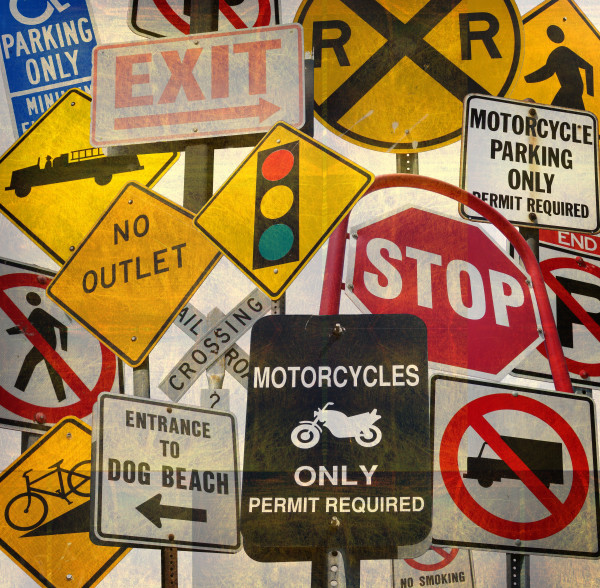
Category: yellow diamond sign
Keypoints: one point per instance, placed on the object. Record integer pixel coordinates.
(276, 210)
(45, 506)
(134, 272)
(561, 57)
(54, 185)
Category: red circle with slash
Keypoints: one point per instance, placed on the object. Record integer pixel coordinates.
(547, 267)
(87, 397)
(473, 415)
(447, 557)
(264, 15)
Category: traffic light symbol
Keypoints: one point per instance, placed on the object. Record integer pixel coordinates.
(276, 213)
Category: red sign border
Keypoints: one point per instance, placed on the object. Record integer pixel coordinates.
(448, 368)
(83, 407)
(508, 547)
(183, 26)
(555, 263)
(413, 563)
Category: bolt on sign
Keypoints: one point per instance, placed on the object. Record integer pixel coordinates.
(50, 366)
(281, 204)
(537, 165)
(438, 565)
(165, 475)
(54, 185)
(426, 55)
(562, 50)
(515, 469)
(46, 50)
(337, 437)
(213, 344)
(170, 18)
(45, 506)
(207, 85)
(452, 275)
(132, 275)
(572, 276)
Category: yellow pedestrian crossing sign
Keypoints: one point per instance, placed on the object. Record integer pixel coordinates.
(54, 185)
(280, 205)
(562, 50)
(131, 276)
(391, 76)
(45, 506)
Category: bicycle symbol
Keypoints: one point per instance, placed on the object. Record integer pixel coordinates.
(30, 508)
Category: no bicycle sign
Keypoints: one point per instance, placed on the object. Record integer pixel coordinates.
(516, 469)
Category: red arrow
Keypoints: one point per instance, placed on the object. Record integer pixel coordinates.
(263, 110)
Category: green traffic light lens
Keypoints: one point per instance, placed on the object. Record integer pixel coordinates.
(276, 242)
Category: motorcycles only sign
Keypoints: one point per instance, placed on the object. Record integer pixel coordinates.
(337, 435)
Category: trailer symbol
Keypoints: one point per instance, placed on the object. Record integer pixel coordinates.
(543, 458)
(79, 164)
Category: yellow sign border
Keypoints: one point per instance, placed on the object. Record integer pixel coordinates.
(22, 227)
(448, 138)
(276, 294)
(14, 556)
(133, 362)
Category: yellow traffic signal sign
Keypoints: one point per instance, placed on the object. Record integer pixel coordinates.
(134, 272)
(562, 50)
(54, 185)
(391, 76)
(280, 205)
(45, 506)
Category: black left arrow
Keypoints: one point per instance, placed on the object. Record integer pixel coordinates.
(154, 511)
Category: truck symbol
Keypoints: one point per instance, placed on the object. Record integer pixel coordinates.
(79, 164)
(543, 458)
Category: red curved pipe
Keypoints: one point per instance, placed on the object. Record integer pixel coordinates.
(332, 283)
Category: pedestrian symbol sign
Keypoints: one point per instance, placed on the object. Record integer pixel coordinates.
(514, 464)
(45, 501)
(50, 366)
(562, 50)
(134, 272)
(54, 185)
(426, 55)
(281, 204)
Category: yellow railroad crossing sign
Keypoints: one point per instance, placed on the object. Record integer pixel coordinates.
(45, 506)
(392, 76)
(280, 205)
(562, 50)
(54, 185)
(134, 272)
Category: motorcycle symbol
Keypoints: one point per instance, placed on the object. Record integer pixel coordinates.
(360, 426)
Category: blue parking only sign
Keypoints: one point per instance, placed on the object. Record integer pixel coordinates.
(46, 48)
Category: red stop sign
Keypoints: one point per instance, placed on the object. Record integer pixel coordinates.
(473, 298)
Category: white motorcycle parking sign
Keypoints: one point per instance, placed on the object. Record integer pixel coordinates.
(308, 433)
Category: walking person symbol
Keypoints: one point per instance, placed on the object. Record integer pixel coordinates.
(566, 64)
(45, 324)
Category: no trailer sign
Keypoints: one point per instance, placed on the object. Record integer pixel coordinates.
(536, 164)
